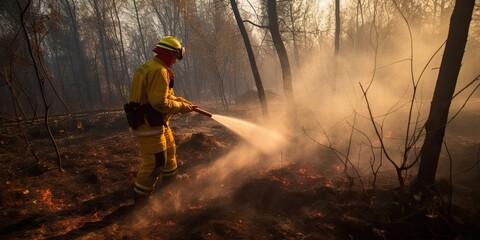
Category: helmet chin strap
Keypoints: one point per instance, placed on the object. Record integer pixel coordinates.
(180, 53)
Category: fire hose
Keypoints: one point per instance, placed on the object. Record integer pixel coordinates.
(203, 112)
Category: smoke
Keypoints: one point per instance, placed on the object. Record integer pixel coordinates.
(398, 75)
(261, 150)
(398, 78)
(333, 121)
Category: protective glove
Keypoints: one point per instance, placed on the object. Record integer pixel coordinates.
(187, 107)
(181, 99)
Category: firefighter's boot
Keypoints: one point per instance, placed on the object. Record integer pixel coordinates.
(140, 201)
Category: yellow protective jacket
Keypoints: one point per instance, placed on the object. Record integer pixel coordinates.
(150, 84)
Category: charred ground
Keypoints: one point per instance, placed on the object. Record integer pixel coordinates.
(305, 199)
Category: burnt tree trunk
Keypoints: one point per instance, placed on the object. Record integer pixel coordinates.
(102, 35)
(78, 58)
(337, 27)
(444, 89)
(337, 46)
(281, 51)
(123, 58)
(251, 58)
(145, 57)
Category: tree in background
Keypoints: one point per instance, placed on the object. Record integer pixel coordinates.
(337, 27)
(142, 38)
(444, 89)
(251, 58)
(33, 27)
(281, 51)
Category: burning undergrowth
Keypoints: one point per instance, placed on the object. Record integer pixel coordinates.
(227, 188)
(244, 183)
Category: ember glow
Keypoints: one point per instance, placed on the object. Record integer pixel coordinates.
(302, 171)
(284, 181)
(46, 195)
(48, 199)
(191, 206)
(70, 224)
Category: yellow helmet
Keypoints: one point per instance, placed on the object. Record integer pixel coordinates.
(172, 44)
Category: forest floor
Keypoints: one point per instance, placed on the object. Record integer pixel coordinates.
(215, 197)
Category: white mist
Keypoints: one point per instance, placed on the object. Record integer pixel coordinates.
(266, 140)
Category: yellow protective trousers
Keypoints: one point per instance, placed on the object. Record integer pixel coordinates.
(158, 160)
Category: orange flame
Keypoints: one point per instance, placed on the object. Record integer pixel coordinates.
(329, 183)
(314, 176)
(170, 223)
(316, 215)
(48, 200)
(302, 171)
(47, 197)
(283, 181)
(195, 206)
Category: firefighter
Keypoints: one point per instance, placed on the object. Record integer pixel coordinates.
(151, 105)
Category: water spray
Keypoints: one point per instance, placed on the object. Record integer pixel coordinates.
(249, 131)
(203, 112)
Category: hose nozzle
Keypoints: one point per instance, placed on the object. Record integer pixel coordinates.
(203, 112)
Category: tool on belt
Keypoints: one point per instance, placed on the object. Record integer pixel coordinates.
(137, 113)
